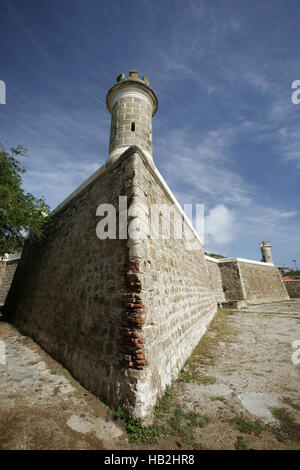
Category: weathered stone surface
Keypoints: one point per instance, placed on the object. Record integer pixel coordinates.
(293, 288)
(7, 271)
(2, 270)
(231, 280)
(215, 279)
(122, 317)
(67, 292)
(252, 281)
(176, 294)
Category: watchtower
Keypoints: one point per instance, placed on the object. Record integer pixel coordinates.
(266, 253)
(132, 103)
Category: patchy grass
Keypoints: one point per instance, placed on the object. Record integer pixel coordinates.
(199, 446)
(139, 433)
(289, 402)
(245, 426)
(196, 378)
(183, 423)
(287, 389)
(230, 371)
(241, 444)
(169, 420)
(12, 419)
(165, 405)
(180, 423)
(217, 398)
(11, 396)
(205, 351)
(287, 423)
(206, 348)
(135, 430)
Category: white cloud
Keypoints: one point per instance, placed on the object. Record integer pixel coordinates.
(220, 226)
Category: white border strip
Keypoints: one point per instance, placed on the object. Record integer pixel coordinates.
(131, 92)
(209, 258)
(243, 260)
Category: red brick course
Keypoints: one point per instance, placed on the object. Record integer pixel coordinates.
(130, 340)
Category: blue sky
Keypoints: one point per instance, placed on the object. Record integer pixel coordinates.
(226, 133)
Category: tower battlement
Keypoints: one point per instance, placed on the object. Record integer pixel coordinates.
(133, 75)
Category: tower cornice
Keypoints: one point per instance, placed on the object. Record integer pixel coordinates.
(129, 83)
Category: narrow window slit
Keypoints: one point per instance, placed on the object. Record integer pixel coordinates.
(133, 126)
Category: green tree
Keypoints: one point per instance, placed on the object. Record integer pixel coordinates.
(20, 213)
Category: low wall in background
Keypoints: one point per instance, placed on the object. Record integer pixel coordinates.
(7, 272)
(2, 270)
(231, 280)
(293, 288)
(252, 281)
(215, 279)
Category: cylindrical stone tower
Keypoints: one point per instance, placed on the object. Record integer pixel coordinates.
(132, 103)
(266, 253)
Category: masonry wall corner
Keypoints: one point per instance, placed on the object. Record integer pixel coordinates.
(121, 315)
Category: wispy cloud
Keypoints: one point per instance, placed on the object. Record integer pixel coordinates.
(201, 173)
(197, 166)
(57, 181)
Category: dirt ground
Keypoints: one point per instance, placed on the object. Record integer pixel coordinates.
(239, 390)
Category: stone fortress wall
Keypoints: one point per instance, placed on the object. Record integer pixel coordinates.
(178, 301)
(231, 280)
(215, 279)
(66, 293)
(252, 281)
(121, 315)
(2, 270)
(293, 288)
(8, 268)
